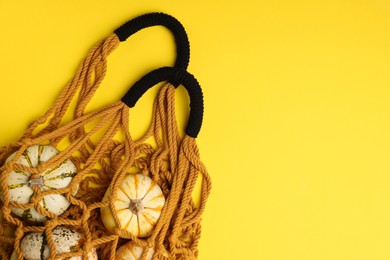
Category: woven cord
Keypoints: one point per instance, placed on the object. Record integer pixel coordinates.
(84, 155)
(173, 163)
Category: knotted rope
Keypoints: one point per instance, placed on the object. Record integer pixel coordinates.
(173, 163)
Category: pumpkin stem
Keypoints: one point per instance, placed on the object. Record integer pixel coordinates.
(136, 206)
(38, 181)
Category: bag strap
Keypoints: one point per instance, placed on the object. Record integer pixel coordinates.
(154, 19)
(122, 34)
(95, 64)
(172, 74)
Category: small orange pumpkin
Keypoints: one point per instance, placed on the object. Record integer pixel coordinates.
(138, 204)
(130, 251)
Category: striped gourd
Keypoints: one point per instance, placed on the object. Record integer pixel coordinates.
(129, 251)
(20, 182)
(138, 204)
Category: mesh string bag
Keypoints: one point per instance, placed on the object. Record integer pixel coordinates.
(173, 163)
(44, 175)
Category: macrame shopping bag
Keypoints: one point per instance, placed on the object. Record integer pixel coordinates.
(42, 174)
(162, 222)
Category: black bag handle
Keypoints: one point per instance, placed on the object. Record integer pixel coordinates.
(180, 76)
(154, 19)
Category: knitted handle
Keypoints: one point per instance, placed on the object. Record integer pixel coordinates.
(96, 59)
(154, 19)
(176, 75)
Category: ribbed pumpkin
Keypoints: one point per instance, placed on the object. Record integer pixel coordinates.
(66, 240)
(129, 251)
(20, 184)
(138, 204)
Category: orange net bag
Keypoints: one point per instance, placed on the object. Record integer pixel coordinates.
(173, 164)
(52, 197)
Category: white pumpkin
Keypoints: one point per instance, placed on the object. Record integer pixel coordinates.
(66, 240)
(20, 184)
(138, 204)
(130, 251)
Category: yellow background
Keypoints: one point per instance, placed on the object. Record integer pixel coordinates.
(296, 132)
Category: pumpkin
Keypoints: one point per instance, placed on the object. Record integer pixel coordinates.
(66, 240)
(20, 184)
(138, 204)
(130, 251)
